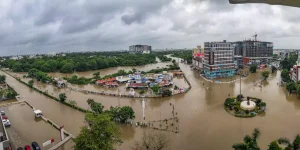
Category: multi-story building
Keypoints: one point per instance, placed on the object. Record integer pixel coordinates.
(144, 49)
(253, 48)
(218, 59)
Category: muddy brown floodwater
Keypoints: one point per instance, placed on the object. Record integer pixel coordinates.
(203, 122)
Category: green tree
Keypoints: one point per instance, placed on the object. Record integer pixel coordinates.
(53, 64)
(96, 75)
(265, 74)
(2, 78)
(166, 92)
(102, 134)
(17, 67)
(250, 142)
(30, 82)
(67, 68)
(298, 88)
(155, 88)
(274, 69)
(290, 86)
(32, 73)
(11, 94)
(62, 97)
(142, 92)
(173, 61)
(81, 66)
(96, 107)
(253, 68)
(228, 101)
(285, 75)
(274, 146)
(290, 146)
(126, 113)
(73, 103)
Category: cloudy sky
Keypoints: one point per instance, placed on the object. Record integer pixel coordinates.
(42, 26)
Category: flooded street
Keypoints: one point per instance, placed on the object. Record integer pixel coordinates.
(203, 122)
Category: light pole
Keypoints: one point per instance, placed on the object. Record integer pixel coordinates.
(143, 106)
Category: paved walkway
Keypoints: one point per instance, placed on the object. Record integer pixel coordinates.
(61, 143)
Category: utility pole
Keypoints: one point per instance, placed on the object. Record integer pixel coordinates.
(240, 82)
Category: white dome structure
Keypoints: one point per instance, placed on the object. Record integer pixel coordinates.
(245, 106)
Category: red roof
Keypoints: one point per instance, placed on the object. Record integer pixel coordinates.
(111, 79)
(106, 80)
(111, 83)
(101, 81)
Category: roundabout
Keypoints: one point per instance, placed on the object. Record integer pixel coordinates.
(244, 107)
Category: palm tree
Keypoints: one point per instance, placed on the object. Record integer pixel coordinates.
(250, 142)
(290, 146)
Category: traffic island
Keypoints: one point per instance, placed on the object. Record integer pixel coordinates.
(244, 107)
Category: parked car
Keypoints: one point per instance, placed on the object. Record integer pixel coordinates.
(35, 146)
(20, 148)
(27, 147)
(2, 112)
(4, 117)
(6, 122)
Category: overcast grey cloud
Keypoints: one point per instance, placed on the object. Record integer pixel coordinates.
(42, 26)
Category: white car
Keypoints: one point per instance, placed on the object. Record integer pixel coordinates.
(2, 112)
(6, 122)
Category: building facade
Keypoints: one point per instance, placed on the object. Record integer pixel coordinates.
(143, 49)
(253, 48)
(218, 59)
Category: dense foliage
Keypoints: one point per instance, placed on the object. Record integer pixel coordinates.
(30, 83)
(291, 86)
(81, 80)
(62, 97)
(164, 58)
(289, 62)
(250, 142)
(2, 78)
(185, 55)
(274, 69)
(265, 74)
(96, 107)
(101, 134)
(285, 75)
(79, 62)
(121, 114)
(253, 68)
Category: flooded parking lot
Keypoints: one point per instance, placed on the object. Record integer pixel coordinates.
(26, 128)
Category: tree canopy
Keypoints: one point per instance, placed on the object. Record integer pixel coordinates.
(265, 74)
(80, 62)
(101, 133)
(62, 97)
(253, 68)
